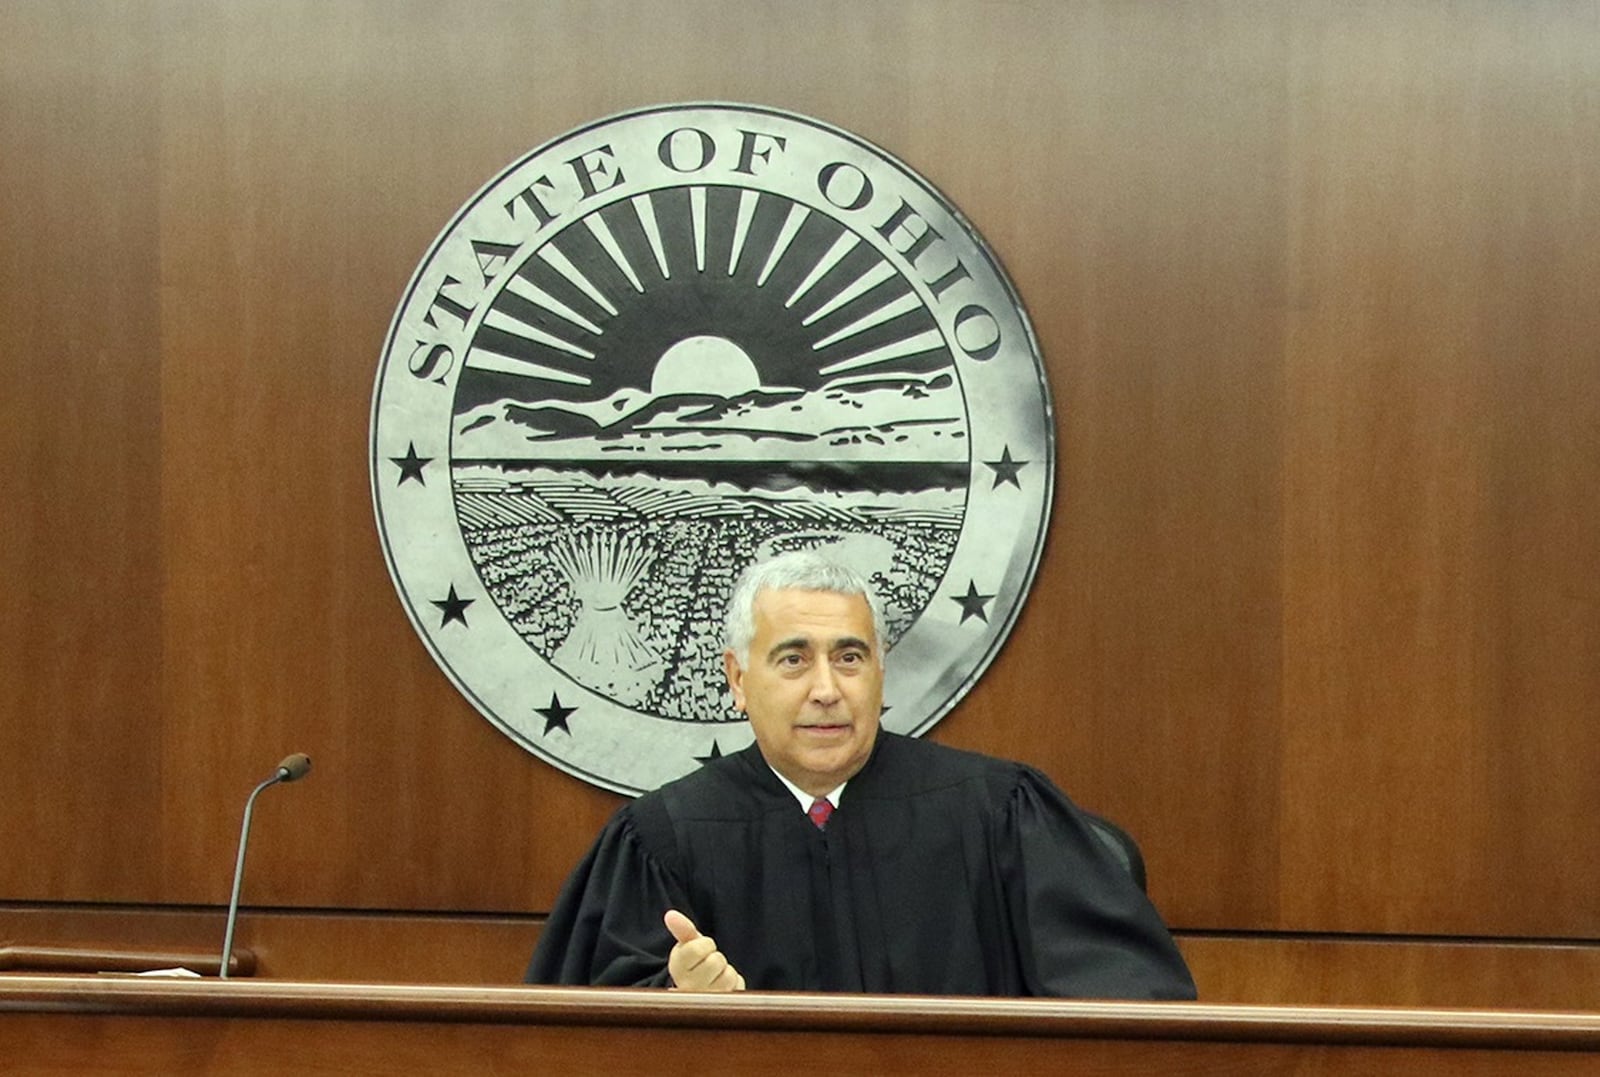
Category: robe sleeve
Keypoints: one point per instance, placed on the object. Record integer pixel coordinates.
(606, 928)
(1084, 929)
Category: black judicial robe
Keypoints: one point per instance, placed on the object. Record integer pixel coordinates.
(941, 872)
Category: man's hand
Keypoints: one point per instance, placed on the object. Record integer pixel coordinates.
(695, 962)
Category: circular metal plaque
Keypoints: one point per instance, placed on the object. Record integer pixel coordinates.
(668, 344)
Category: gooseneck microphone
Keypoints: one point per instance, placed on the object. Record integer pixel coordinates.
(293, 768)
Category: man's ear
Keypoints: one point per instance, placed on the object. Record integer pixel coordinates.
(730, 667)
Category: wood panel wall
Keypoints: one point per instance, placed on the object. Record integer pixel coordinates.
(1318, 291)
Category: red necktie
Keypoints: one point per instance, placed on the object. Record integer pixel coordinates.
(820, 810)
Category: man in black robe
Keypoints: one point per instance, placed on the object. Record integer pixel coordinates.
(830, 855)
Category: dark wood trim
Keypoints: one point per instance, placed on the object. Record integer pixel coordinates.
(1048, 1018)
(99, 959)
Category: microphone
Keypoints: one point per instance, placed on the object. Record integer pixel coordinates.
(292, 769)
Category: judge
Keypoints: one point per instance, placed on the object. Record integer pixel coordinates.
(832, 855)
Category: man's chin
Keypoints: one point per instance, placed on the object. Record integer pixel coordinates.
(834, 763)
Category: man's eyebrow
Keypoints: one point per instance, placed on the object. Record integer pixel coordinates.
(793, 643)
(801, 643)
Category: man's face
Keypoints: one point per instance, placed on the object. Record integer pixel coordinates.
(814, 685)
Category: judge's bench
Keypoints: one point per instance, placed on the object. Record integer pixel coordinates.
(131, 1025)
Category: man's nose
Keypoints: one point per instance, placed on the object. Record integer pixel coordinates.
(824, 684)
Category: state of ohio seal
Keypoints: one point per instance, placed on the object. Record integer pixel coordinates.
(668, 344)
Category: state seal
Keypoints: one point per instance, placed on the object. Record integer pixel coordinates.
(670, 343)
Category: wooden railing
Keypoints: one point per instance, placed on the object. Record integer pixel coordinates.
(135, 1025)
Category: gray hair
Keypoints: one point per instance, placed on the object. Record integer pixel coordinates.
(797, 570)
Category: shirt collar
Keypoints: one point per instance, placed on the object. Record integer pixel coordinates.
(805, 798)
